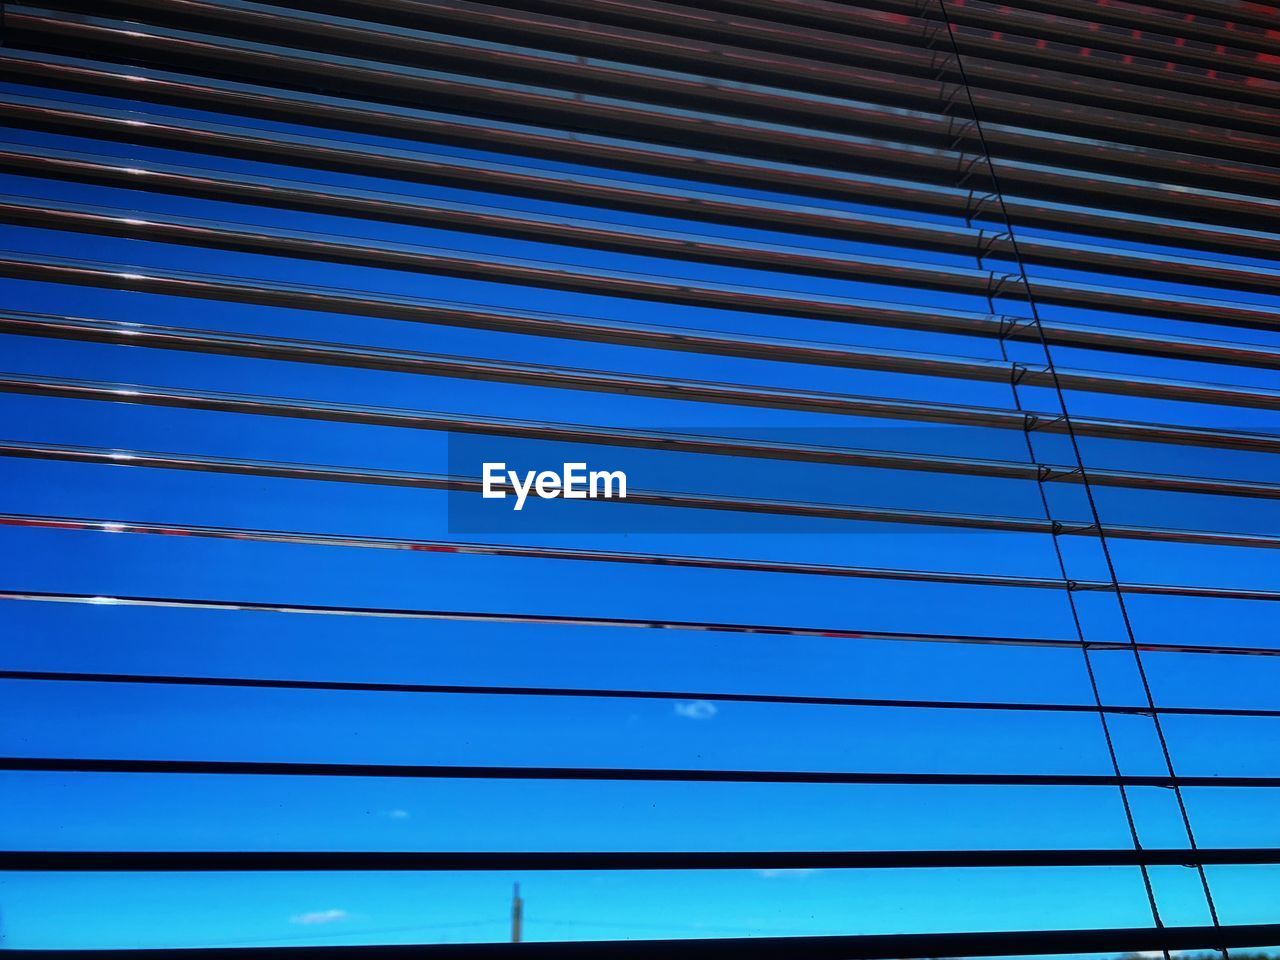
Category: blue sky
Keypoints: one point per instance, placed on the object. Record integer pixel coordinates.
(44, 811)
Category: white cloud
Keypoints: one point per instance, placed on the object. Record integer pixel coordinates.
(696, 710)
(319, 916)
(793, 872)
(399, 814)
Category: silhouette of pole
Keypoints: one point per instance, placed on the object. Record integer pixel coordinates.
(517, 914)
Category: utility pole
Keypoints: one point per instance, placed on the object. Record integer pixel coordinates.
(517, 914)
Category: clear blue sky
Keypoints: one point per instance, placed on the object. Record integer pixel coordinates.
(127, 812)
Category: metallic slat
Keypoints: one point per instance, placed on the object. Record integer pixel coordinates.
(477, 772)
(141, 334)
(456, 484)
(569, 378)
(348, 157)
(1055, 183)
(905, 43)
(1245, 25)
(1156, 61)
(1233, 15)
(1161, 41)
(652, 498)
(863, 947)
(1231, 11)
(226, 860)
(565, 620)
(400, 208)
(879, 947)
(519, 101)
(109, 221)
(910, 25)
(833, 64)
(674, 389)
(335, 300)
(738, 565)
(404, 361)
(561, 432)
(1221, 26)
(255, 61)
(216, 234)
(610, 693)
(1149, 19)
(359, 686)
(665, 441)
(592, 75)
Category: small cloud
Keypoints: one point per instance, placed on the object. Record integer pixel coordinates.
(399, 814)
(794, 872)
(319, 916)
(696, 710)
